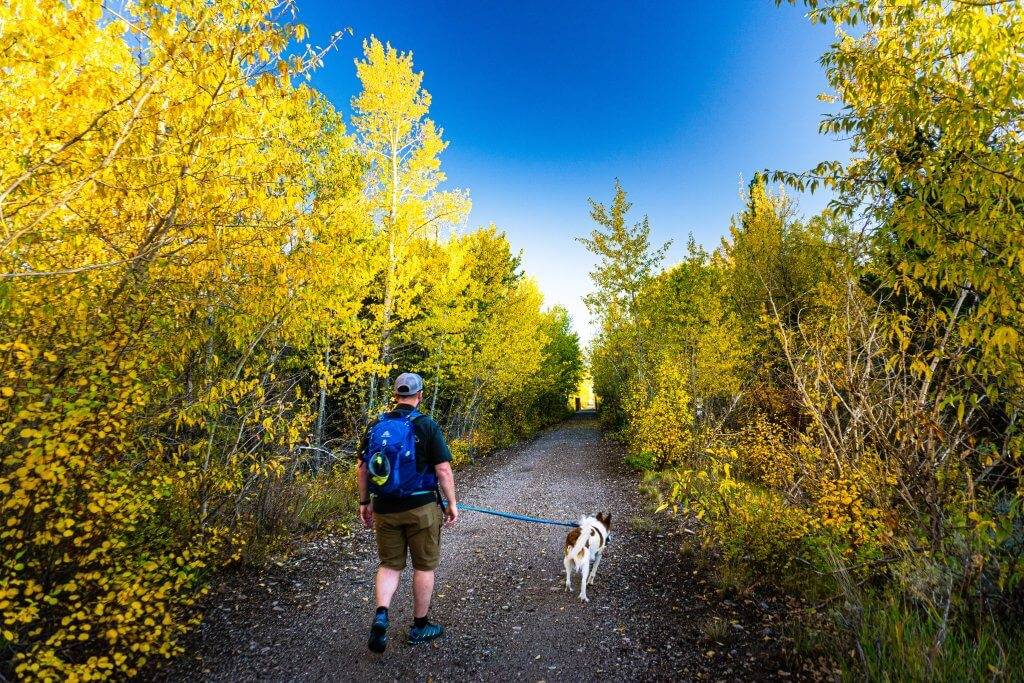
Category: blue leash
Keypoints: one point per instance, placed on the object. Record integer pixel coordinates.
(509, 515)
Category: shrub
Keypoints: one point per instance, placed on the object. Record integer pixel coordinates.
(98, 572)
(642, 461)
(660, 422)
(764, 454)
(460, 452)
(328, 500)
(844, 509)
(750, 524)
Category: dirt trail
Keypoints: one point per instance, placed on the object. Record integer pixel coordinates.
(500, 594)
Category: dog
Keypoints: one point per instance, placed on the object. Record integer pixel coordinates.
(583, 544)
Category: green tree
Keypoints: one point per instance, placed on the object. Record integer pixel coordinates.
(691, 317)
(775, 262)
(931, 101)
(626, 264)
(561, 366)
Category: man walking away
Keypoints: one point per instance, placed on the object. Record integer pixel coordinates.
(403, 461)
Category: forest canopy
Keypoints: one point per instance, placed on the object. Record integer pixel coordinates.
(208, 276)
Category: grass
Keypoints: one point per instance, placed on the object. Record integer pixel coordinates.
(716, 629)
(642, 462)
(644, 524)
(897, 641)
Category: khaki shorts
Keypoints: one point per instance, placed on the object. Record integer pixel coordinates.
(417, 530)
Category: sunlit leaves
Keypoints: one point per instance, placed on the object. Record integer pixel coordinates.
(193, 250)
(157, 258)
(931, 95)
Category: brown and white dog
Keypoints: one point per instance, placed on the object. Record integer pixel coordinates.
(583, 544)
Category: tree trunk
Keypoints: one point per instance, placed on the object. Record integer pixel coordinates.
(318, 439)
(389, 279)
(437, 384)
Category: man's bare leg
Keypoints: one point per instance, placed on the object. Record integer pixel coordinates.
(387, 584)
(422, 591)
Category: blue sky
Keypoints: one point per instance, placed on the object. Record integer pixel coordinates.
(545, 104)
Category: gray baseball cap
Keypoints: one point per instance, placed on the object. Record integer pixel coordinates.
(408, 384)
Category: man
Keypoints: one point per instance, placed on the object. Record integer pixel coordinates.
(406, 521)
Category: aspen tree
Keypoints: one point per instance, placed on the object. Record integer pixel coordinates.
(402, 148)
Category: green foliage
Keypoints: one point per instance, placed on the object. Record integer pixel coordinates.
(627, 262)
(642, 461)
(562, 366)
(931, 103)
(625, 267)
(854, 420)
(901, 641)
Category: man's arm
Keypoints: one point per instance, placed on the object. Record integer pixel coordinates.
(446, 480)
(440, 456)
(362, 480)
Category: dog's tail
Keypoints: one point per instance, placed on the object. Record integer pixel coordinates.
(577, 553)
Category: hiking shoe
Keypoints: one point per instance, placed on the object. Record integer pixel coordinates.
(423, 634)
(379, 633)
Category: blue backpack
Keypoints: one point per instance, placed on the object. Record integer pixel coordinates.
(391, 458)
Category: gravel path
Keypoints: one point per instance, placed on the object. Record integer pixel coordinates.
(500, 594)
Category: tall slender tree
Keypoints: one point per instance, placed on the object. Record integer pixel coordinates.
(626, 266)
(402, 149)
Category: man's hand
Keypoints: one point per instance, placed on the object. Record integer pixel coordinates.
(451, 514)
(366, 514)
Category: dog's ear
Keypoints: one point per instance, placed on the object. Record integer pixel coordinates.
(605, 518)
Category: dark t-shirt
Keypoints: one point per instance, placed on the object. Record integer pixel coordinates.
(431, 450)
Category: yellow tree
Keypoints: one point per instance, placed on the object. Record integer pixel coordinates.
(501, 347)
(330, 265)
(402, 147)
(931, 95)
(154, 225)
